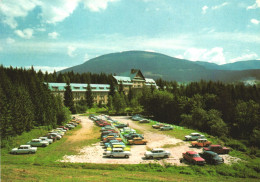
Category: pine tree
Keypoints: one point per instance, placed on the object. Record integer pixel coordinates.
(89, 97)
(68, 99)
(112, 89)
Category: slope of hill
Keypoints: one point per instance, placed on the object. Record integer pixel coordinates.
(241, 65)
(157, 65)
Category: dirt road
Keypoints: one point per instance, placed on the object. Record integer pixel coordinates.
(94, 153)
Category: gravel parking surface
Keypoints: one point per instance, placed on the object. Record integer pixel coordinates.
(94, 153)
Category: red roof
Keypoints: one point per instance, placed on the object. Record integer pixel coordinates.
(191, 152)
(214, 145)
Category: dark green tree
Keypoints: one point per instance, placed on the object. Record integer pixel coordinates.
(68, 98)
(112, 89)
(89, 97)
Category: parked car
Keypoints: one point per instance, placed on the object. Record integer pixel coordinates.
(201, 142)
(58, 131)
(24, 149)
(117, 146)
(194, 136)
(111, 138)
(212, 157)
(158, 125)
(70, 126)
(58, 136)
(144, 121)
(217, 149)
(166, 127)
(137, 117)
(111, 142)
(138, 140)
(193, 157)
(121, 125)
(38, 143)
(49, 136)
(107, 127)
(117, 152)
(127, 130)
(133, 135)
(46, 139)
(157, 153)
(61, 129)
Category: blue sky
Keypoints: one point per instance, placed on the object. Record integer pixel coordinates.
(56, 34)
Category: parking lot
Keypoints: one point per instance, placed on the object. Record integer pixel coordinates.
(94, 153)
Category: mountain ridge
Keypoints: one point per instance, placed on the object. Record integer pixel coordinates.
(157, 65)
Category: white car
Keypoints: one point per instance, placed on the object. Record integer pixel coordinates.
(24, 149)
(117, 152)
(56, 135)
(46, 139)
(58, 131)
(157, 153)
(61, 129)
(194, 136)
(38, 143)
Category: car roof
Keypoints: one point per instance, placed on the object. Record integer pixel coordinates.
(210, 152)
(191, 152)
(36, 140)
(195, 133)
(157, 149)
(117, 149)
(215, 145)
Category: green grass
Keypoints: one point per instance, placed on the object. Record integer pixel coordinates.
(40, 173)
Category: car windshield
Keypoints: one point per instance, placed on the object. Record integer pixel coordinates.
(195, 155)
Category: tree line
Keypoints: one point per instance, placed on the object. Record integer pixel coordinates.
(26, 102)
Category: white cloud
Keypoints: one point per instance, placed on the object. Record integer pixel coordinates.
(194, 54)
(71, 50)
(254, 6)
(204, 9)
(56, 11)
(26, 33)
(255, 21)
(51, 11)
(46, 68)
(179, 56)
(220, 6)
(53, 35)
(10, 40)
(245, 57)
(94, 5)
(214, 55)
(10, 10)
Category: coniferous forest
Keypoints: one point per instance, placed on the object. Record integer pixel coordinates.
(223, 110)
(26, 103)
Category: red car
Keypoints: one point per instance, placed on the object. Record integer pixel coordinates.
(63, 127)
(193, 157)
(217, 149)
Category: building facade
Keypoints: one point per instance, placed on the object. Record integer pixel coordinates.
(133, 79)
(99, 91)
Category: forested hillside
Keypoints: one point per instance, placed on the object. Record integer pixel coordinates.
(223, 110)
(26, 102)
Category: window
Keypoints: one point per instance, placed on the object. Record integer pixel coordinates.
(101, 87)
(93, 87)
(77, 87)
